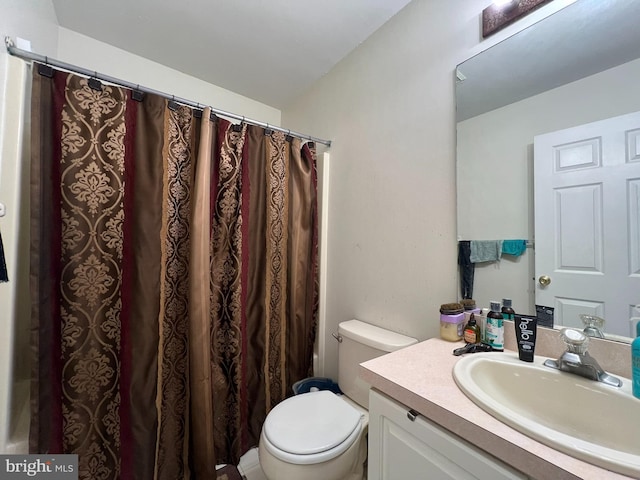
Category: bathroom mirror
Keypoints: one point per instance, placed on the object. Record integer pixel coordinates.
(577, 66)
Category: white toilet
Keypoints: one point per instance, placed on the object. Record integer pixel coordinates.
(321, 435)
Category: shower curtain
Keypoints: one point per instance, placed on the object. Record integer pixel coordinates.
(173, 278)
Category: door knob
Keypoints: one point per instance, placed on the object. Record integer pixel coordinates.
(544, 280)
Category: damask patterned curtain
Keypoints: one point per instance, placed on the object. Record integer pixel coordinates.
(173, 276)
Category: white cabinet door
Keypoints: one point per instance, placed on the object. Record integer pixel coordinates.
(402, 449)
(587, 221)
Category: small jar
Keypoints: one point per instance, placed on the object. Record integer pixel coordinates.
(452, 327)
(468, 304)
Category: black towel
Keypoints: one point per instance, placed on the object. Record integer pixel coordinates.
(467, 269)
(3, 264)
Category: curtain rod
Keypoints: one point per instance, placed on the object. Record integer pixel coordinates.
(26, 55)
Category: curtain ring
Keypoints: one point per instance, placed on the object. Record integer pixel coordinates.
(46, 60)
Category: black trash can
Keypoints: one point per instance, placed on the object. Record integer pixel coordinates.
(313, 384)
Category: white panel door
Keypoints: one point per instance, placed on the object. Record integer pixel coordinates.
(587, 221)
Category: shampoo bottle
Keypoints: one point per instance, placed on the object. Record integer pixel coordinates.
(635, 362)
(508, 313)
(494, 334)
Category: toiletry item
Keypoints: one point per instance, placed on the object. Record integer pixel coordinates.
(468, 313)
(474, 348)
(451, 327)
(494, 334)
(482, 323)
(635, 362)
(451, 308)
(471, 331)
(508, 313)
(468, 304)
(545, 316)
(526, 329)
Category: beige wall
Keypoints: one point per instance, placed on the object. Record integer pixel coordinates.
(389, 109)
(34, 20)
(78, 49)
(494, 150)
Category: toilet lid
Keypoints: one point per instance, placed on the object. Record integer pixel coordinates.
(310, 423)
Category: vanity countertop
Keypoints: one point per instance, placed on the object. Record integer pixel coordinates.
(420, 377)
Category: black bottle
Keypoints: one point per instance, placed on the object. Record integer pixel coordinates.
(508, 313)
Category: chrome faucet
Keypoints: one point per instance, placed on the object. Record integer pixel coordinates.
(577, 360)
(592, 325)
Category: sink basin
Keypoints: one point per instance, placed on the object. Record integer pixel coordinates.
(588, 420)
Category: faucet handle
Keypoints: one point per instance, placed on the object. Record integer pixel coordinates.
(576, 341)
(593, 325)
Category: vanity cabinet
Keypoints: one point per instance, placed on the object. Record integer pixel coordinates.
(404, 445)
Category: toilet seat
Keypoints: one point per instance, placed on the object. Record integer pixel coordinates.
(311, 428)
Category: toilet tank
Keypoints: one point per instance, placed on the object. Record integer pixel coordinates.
(361, 342)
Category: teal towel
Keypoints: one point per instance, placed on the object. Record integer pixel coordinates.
(485, 251)
(514, 247)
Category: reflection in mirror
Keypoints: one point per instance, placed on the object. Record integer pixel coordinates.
(578, 66)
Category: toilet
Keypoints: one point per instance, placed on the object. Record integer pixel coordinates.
(321, 435)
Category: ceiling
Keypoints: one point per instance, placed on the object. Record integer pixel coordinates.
(270, 51)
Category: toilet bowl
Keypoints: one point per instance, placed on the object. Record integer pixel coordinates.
(322, 435)
(316, 435)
